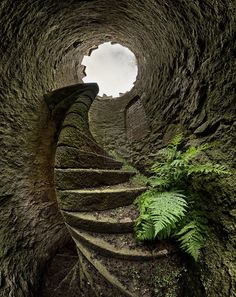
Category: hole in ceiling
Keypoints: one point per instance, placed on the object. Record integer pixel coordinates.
(113, 67)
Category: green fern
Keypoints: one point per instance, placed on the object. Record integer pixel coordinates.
(144, 228)
(139, 180)
(143, 201)
(165, 210)
(208, 169)
(161, 182)
(159, 213)
(178, 165)
(170, 151)
(177, 140)
(193, 152)
(192, 238)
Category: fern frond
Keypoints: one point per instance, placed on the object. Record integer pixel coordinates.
(193, 152)
(140, 180)
(144, 229)
(159, 168)
(159, 182)
(163, 211)
(191, 238)
(207, 169)
(159, 213)
(177, 140)
(166, 209)
(171, 150)
(177, 163)
(143, 201)
(160, 155)
(170, 153)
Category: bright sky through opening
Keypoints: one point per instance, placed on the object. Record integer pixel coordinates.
(113, 67)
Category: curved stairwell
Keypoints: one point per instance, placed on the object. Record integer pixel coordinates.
(95, 197)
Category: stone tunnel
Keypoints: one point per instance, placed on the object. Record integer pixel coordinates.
(186, 54)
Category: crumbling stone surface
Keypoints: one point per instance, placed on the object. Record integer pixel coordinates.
(186, 58)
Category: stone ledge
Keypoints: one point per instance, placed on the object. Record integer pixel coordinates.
(98, 199)
(68, 179)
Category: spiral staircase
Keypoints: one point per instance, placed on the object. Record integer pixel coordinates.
(95, 196)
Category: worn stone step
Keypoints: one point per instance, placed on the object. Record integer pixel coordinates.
(122, 246)
(134, 278)
(78, 121)
(73, 178)
(98, 198)
(81, 124)
(61, 100)
(56, 280)
(80, 107)
(74, 137)
(118, 220)
(96, 272)
(68, 93)
(69, 157)
(88, 274)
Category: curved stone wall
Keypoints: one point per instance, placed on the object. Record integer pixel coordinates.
(186, 56)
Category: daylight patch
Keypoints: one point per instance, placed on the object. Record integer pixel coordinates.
(113, 67)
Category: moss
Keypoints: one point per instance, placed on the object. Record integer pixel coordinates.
(139, 180)
(167, 280)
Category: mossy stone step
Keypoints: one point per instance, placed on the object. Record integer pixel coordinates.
(73, 178)
(70, 157)
(79, 107)
(118, 220)
(87, 277)
(77, 121)
(61, 100)
(58, 113)
(73, 137)
(122, 246)
(98, 198)
(159, 277)
(71, 92)
(95, 271)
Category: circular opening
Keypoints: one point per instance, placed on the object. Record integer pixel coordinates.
(113, 67)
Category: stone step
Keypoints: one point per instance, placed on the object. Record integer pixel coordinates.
(121, 246)
(73, 137)
(158, 277)
(56, 280)
(77, 121)
(80, 107)
(118, 220)
(81, 124)
(99, 276)
(98, 198)
(86, 278)
(73, 178)
(71, 93)
(69, 157)
(61, 101)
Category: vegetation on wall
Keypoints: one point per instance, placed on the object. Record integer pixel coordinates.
(168, 208)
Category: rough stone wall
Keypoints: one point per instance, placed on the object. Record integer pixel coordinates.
(120, 124)
(136, 121)
(186, 57)
(107, 123)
